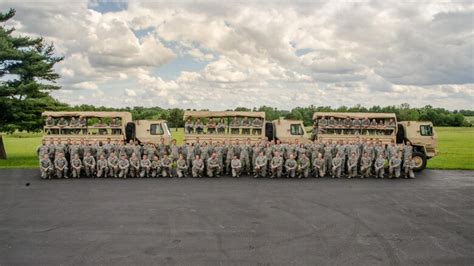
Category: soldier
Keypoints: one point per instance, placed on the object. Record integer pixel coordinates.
(409, 165)
(181, 166)
(129, 149)
(319, 166)
(189, 154)
(303, 166)
(352, 165)
(261, 165)
(395, 166)
(74, 124)
(366, 165)
(134, 168)
(213, 168)
(245, 123)
(123, 165)
(112, 163)
(268, 153)
(102, 166)
(198, 167)
(211, 126)
(162, 148)
(244, 157)
(174, 149)
(336, 166)
(83, 124)
(60, 166)
(236, 166)
(379, 166)
(328, 155)
(49, 122)
(62, 123)
(115, 124)
(221, 126)
(199, 126)
(101, 125)
(145, 166)
(46, 166)
(189, 125)
(322, 123)
(407, 151)
(42, 149)
(89, 164)
(290, 166)
(257, 126)
(234, 125)
(276, 165)
(155, 166)
(76, 166)
(166, 165)
(137, 149)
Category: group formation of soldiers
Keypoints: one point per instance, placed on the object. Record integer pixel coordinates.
(355, 126)
(117, 159)
(77, 125)
(248, 126)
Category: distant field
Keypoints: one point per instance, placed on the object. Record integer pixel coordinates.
(455, 146)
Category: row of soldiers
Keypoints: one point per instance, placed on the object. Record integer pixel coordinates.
(362, 158)
(248, 126)
(357, 126)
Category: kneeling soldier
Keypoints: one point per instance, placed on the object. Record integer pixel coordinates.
(213, 166)
(290, 166)
(46, 166)
(236, 166)
(366, 165)
(319, 166)
(261, 165)
(123, 166)
(134, 165)
(89, 164)
(336, 166)
(409, 166)
(145, 166)
(181, 166)
(352, 166)
(166, 166)
(60, 166)
(276, 165)
(76, 166)
(113, 165)
(303, 166)
(155, 166)
(395, 166)
(379, 167)
(102, 166)
(198, 167)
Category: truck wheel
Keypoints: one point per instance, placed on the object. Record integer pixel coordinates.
(420, 161)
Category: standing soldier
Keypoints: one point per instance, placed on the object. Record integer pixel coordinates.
(319, 166)
(145, 166)
(244, 157)
(213, 167)
(230, 157)
(261, 165)
(46, 166)
(268, 153)
(328, 155)
(181, 166)
(336, 166)
(198, 167)
(89, 164)
(129, 149)
(137, 149)
(409, 165)
(407, 151)
(395, 165)
(102, 166)
(174, 149)
(366, 165)
(42, 149)
(352, 165)
(236, 166)
(60, 166)
(379, 166)
(303, 166)
(276, 165)
(162, 148)
(123, 166)
(189, 154)
(166, 164)
(155, 166)
(76, 166)
(112, 163)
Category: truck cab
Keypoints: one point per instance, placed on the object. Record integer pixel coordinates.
(423, 138)
(148, 131)
(286, 130)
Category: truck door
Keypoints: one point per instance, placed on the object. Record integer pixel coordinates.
(152, 131)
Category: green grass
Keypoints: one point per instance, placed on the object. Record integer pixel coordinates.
(469, 119)
(455, 146)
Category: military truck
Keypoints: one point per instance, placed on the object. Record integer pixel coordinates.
(102, 126)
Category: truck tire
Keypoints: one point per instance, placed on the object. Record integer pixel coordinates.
(130, 131)
(420, 161)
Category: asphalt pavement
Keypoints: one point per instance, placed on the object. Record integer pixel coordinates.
(225, 221)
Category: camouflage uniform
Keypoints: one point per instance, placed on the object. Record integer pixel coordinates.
(123, 165)
(181, 167)
(102, 167)
(46, 167)
(379, 167)
(352, 166)
(336, 167)
(198, 168)
(89, 165)
(277, 166)
(319, 166)
(155, 167)
(303, 167)
(395, 166)
(145, 167)
(261, 166)
(236, 167)
(366, 166)
(76, 166)
(213, 167)
(112, 163)
(166, 166)
(60, 167)
(290, 166)
(409, 165)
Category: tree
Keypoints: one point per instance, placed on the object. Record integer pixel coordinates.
(27, 78)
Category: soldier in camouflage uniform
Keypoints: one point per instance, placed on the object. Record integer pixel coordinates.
(166, 165)
(189, 154)
(61, 166)
(352, 165)
(199, 126)
(181, 167)
(145, 166)
(213, 168)
(234, 125)
(407, 151)
(260, 165)
(42, 149)
(134, 169)
(189, 126)
(379, 166)
(102, 166)
(123, 165)
(76, 166)
(244, 157)
(162, 148)
(366, 165)
(319, 166)
(112, 163)
(89, 164)
(303, 166)
(174, 149)
(221, 126)
(290, 166)
(236, 166)
(276, 165)
(409, 165)
(395, 166)
(336, 166)
(155, 166)
(46, 166)
(257, 126)
(198, 167)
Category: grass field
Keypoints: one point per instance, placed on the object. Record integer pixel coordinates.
(455, 146)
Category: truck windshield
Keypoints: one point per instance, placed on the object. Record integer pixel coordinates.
(296, 129)
(156, 129)
(426, 130)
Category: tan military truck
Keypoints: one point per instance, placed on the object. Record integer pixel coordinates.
(204, 126)
(101, 126)
(383, 127)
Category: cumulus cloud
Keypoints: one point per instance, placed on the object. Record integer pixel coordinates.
(284, 54)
